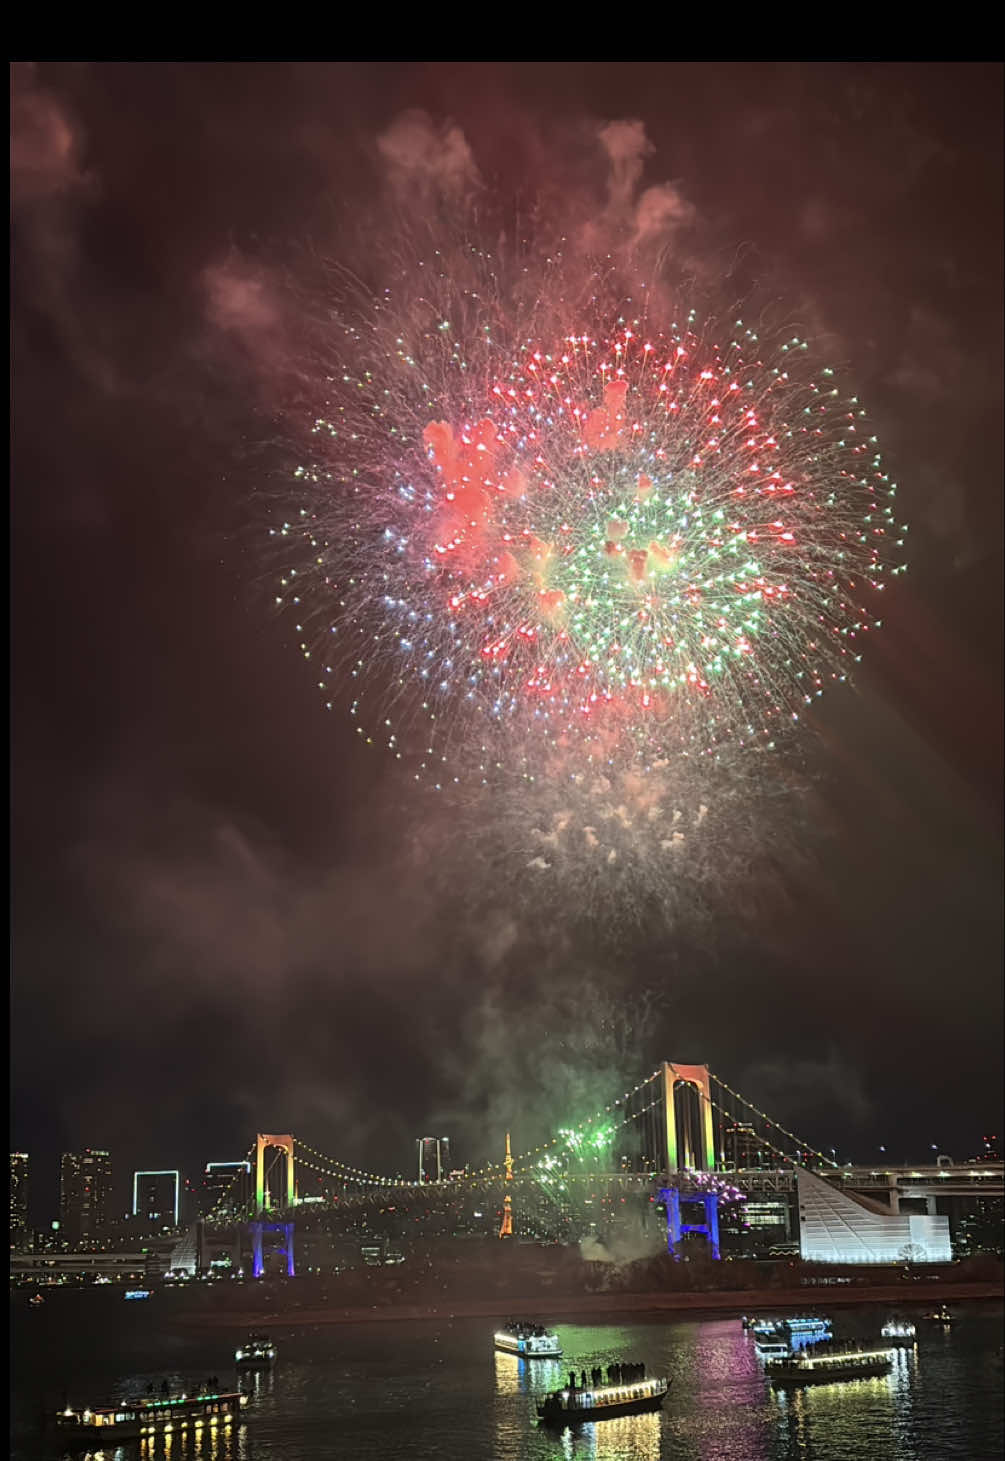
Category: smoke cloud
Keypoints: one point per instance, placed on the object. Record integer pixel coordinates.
(422, 156)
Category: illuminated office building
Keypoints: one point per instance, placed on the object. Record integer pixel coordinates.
(434, 1158)
(155, 1197)
(741, 1148)
(19, 1230)
(85, 1181)
(226, 1185)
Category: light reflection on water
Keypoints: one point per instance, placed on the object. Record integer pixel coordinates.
(625, 1438)
(516, 1376)
(188, 1443)
(440, 1390)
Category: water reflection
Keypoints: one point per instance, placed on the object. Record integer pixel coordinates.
(516, 1376)
(725, 1366)
(624, 1438)
(816, 1415)
(199, 1442)
(257, 1384)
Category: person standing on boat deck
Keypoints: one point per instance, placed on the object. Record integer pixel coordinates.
(572, 1379)
(583, 1376)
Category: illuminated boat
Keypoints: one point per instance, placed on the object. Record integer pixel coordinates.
(939, 1316)
(899, 1331)
(798, 1324)
(773, 1348)
(529, 1341)
(813, 1368)
(137, 1294)
(785, 1336)
(806, 1324)
(602, 1402)
(257, 1353)
(107, 1425)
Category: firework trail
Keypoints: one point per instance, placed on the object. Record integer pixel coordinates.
(539, 527)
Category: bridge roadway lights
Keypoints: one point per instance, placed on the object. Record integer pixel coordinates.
(676, 1229)
(257, 1230)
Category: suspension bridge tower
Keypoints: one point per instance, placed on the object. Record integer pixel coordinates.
(262, 1194)
(506, 1231)
(690, 1150)
(264, 1202)
(690, 1130)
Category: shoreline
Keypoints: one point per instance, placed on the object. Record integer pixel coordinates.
(586, 1305)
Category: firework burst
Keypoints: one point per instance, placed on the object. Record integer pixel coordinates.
(563, 530)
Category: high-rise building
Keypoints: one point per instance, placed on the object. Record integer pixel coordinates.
(741, 1148)
(18, 1199)
(85, 1180)
(434, 1158)
(156, 1196)
(226, 1185)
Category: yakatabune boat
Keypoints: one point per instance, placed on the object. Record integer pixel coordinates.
(107, 1425)
(810, 1367)
(571, 1406)
(256, 1353)
(528, 1340)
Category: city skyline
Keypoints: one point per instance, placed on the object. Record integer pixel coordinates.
(199, 1191)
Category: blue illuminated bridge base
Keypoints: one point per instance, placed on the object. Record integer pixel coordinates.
(709, 1201)
(257, 1230)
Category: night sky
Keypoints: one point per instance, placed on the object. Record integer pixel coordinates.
(217, 925)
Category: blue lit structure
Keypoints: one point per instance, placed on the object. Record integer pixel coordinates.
(257, 1230)
(671, 1196)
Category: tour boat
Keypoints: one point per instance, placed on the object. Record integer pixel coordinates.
(601, 1402)
(806, 1324)
(107, 1425)
(777, 1348)
(786, 1335)
(137, 1294)
(813, 1368)
(36, 1300)
(798, 1324)
(257, 1353)
(528, 1340)
(939, 1316)
(899, 1331)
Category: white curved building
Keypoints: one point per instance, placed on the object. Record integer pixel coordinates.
(839, 1227)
